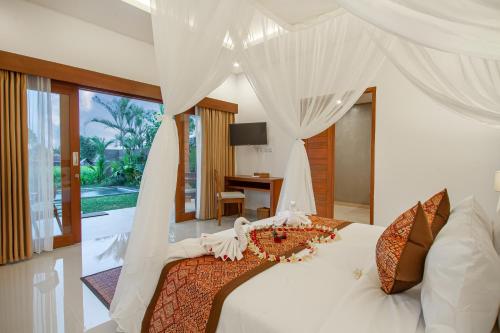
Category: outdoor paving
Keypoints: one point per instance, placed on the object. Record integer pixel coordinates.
(119, 221)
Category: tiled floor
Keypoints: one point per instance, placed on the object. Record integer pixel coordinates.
(45, 294)
(352, 212)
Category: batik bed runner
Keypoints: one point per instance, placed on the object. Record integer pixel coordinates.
(190, 292)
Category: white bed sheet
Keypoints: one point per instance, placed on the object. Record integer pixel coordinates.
(322, 295)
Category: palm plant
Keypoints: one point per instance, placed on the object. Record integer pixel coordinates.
(127, 170)
(155, 123)
(121, 116)
(100, 165)
(135, 129)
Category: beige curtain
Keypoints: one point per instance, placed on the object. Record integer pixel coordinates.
(15, 225)
(216, 154)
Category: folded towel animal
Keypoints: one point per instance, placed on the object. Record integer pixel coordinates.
(292, 217)
(225, 247)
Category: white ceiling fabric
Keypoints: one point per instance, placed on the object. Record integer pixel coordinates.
(307, 79)
(469, 86)
(448, 49)
(194, 56)
(467, 27)
(306, 76)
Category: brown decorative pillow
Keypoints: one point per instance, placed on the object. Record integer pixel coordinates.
(437, 210)
(401, 251)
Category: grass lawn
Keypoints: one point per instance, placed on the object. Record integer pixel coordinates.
(110, 202)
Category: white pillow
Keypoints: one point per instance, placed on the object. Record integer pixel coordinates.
(461, 285)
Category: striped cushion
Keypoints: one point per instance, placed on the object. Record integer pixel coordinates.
(232, 195)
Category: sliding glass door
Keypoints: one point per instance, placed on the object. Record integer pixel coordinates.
(116, 134)
(101, 144)
(186, 195)
(65, 120)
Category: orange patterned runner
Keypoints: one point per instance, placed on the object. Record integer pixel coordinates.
(191, 292)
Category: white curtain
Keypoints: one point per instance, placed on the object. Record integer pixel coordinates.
(307, 79)
(467, 27)
(194, 54)
(41, 160)
(465, 84)
(448, 49)
(199, 147)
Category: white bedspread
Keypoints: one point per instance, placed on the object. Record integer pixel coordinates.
(322, 295)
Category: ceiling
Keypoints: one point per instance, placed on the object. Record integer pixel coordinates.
(298, 11)
(114, 15)
(123, 18)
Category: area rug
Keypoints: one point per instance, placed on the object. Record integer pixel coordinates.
(103, 284)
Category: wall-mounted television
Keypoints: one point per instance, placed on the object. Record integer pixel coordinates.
(242, 134)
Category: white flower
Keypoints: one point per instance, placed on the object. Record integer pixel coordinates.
(357, 273)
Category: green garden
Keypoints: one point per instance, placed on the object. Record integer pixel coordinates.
(111, 168)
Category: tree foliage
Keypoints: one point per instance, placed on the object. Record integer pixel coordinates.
(88, 150)
(135, 129)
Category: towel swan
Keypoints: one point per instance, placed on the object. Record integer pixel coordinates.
(225, 247)
(292, 217)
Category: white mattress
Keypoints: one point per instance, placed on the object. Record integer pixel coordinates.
(322, 295)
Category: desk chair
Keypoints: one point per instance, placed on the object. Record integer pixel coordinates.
(227, 197)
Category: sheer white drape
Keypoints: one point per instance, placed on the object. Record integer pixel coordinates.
(450, 50)
(306, 80)
(468, 27)
(41, 161)
(464, 84)
(199, 147)
(194, 54)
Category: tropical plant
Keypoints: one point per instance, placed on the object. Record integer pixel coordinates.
(135, 129)
(135, 126)
(100, 164)
(119, 110)
(88, 175)
(127, 171)
(154, 124)
(88, 150)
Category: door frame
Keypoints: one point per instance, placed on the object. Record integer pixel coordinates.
(373, 91)
(180, 207)
(330, 132)
(74, 145)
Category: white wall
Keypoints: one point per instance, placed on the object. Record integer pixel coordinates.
(420, 148)
(270, 158)
(35, 31)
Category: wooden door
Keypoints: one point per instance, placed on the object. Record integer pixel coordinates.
(185, 195)
(67, 213)
(320, 150)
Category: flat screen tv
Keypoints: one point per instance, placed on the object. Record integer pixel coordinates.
(247, 134)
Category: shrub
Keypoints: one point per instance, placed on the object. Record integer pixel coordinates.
(57, 176)
(88, 176)
(88, 149)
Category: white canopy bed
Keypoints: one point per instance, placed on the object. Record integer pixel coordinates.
(323, 294)
(306, 76)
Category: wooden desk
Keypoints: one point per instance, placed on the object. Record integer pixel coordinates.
(268, 184)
